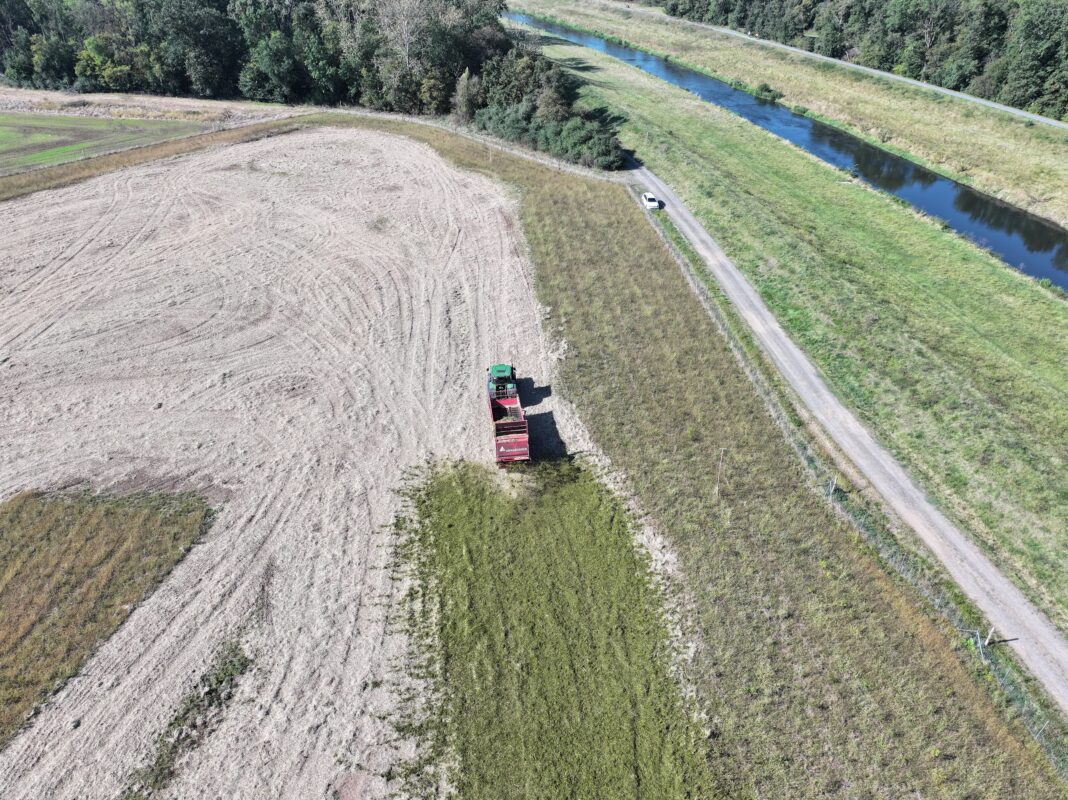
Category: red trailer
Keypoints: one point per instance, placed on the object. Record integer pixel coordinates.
(511, 441)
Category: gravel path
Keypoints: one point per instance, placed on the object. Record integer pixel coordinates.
(286, 325)
(1037, 643)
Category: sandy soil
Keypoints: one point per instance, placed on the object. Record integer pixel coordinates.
(222, 113)
(286, 325)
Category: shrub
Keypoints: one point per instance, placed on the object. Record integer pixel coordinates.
(765, 92)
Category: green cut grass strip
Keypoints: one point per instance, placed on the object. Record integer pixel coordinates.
(34, 140)
(197, 716)
(552, 653)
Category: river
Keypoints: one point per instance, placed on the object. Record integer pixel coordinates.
(1031, 244)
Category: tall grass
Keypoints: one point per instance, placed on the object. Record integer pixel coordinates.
(72, 567)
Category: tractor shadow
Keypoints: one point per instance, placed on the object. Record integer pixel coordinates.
(545, 441)
(531, 395)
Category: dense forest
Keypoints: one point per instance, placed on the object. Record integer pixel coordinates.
(1012, 51)
(415, 56)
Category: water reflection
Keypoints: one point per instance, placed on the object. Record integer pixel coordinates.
(1034, 245)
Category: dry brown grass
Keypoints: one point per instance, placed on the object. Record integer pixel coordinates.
(72, 567)
(65, 174)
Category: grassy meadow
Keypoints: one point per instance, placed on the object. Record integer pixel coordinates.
(954, 361)
(72, 567)
(28, 140)
(548, 651)
(817, 674)
(1023, 163)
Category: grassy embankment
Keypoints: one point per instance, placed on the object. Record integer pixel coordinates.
(52, 177)
(955, 362)
(72, 567)
(547, 648)
(37, 140)
(1024, 163)
(820, 675)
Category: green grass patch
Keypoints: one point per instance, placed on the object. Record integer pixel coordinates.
(30, 140)
(72, 567)
(819, 675)
(51, 177)
(996, 152)
(194, 720)
(550, 652)
(954, 361)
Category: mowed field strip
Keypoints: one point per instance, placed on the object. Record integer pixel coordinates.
(286, 326)
(31, 140)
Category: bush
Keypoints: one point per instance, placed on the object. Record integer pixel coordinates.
(53, 61)
(765, 92)
(529, 99)
(18, 58)
(578, 139)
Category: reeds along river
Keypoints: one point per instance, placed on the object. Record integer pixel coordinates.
(1029, 243)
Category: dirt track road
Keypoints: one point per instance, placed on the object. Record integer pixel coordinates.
(287, 325)
(1039, 645)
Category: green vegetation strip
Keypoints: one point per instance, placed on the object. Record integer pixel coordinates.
(52, 177)
(1016, 160)
(819, 675)
(954, 361)
(71, 569)
(550, 651)
(195, 719)
(34, 140)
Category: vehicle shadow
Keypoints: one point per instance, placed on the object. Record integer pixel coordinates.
(531, 395)
(545, 441)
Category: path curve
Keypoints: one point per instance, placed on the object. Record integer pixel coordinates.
(1038, 645)
(878, 73)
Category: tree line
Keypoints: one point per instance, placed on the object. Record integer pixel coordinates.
(412, 56)
(1011, 51)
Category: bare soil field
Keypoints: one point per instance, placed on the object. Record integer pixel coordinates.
(285, 325)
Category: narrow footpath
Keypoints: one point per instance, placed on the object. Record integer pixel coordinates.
(1038, 645)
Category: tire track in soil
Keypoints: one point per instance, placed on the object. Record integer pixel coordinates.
(313, 311)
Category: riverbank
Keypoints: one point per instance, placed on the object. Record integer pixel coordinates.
(1020, 162)
(950, 359)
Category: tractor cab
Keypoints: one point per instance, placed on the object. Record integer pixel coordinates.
(501, 382)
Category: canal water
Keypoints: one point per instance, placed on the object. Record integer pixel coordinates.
(1029, 243)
